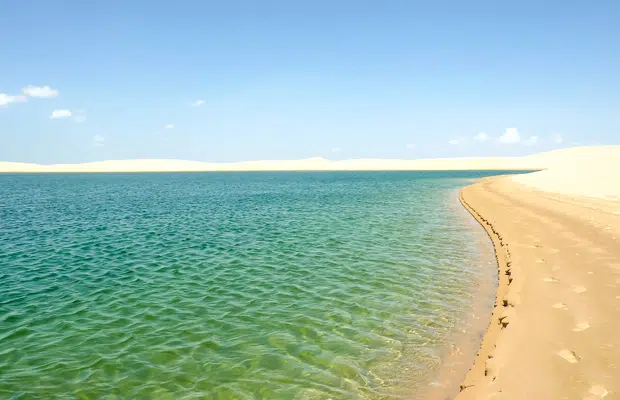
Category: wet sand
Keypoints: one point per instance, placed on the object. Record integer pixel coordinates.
(555, 328)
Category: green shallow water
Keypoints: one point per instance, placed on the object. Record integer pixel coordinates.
(232, 285)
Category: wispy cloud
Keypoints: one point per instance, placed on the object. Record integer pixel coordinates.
(510, 136)
(531, 141)
(198, 103)
(57, 114)
(481, 137)
(336, 149)
(410, 146)
(98, 141)
(6, 99)
(28, 91)
(39, 91)
(557, 138)
(455, 142)
(169, 126)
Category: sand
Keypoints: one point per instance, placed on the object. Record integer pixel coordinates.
(535, 162)
(311, 164)
(554, 330)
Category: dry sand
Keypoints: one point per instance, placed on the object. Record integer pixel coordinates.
(554, 333)
(310, 164)
(533, 162)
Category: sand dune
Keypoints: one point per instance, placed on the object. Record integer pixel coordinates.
(592, 172)
(311, 164)
(601, 181)
(537, 161)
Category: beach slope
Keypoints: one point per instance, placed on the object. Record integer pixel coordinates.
(554, 329)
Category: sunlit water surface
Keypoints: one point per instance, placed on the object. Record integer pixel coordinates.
(233, 285)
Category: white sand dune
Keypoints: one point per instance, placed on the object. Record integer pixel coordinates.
(310, 164)
(537, 161)
(582, 171)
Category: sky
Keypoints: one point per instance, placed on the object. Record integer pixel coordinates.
(242, 80)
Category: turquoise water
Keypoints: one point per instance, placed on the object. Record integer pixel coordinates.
(232, 285)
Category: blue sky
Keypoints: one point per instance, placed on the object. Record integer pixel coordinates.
(245, 80)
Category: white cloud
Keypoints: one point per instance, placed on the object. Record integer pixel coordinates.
(28, 91)
(39, 91)
(169, 126)
(455, 142)
(6, 99)
(198, 103)
(481, 137)
(531, 141)
(510, 136)
(557, 138)
(336, 149)
(56, 114)
(98, 140)
(410, 146)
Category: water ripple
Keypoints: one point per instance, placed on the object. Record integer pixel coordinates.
(230, 286)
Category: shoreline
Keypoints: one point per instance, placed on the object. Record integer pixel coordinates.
(465, 340)
(491, 333)
(553, 328)
(437, 169)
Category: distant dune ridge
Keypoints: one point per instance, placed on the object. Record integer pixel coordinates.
(310, 164)
(564, 167)
(580, 171)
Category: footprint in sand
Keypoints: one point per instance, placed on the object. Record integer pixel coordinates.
(541, 261)
(579, 289)
(550, 280)
(596, 392)
(582, 326)
(568, 355)
(560, 306)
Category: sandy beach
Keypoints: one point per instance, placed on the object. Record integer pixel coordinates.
(554, 329)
